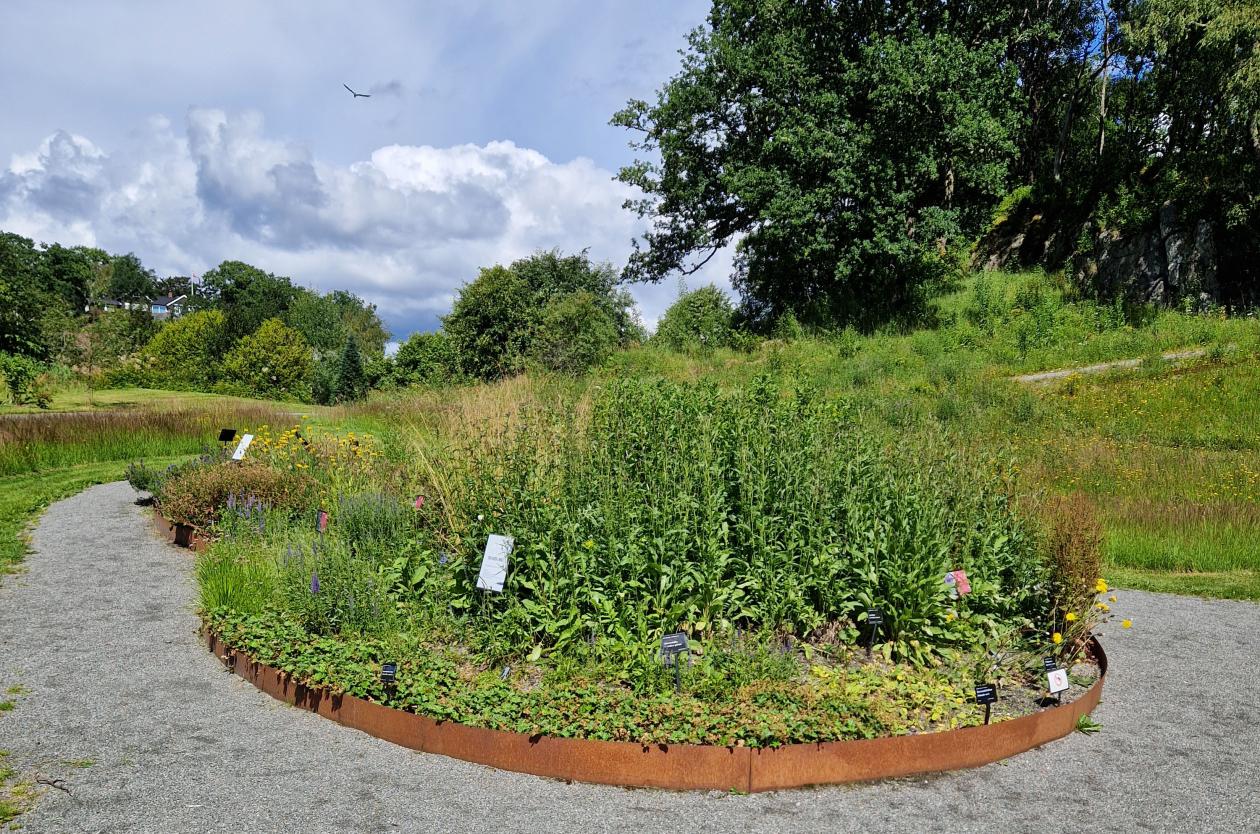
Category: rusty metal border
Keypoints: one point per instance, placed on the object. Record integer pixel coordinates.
(182, 535)
(677, 766)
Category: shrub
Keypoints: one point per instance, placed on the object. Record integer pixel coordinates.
(186, 352)
(273, 362)
(573, 334)
(25, 380)
(700, 319)
(427, 359)
(489, 323)
(199, 494)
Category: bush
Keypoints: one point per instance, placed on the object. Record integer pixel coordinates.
(197, 495)
(573, 334)
(25, 380)
(701, 319)
(274, 362)
(185, 353)
(427, 359)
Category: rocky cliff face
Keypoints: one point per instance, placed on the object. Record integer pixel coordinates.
(1171, 260)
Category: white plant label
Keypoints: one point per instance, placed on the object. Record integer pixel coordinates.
(242, 446)
(494, 564)
(1058, 680)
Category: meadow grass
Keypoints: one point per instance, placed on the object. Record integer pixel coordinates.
(78, 396)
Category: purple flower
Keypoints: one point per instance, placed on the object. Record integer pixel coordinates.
(314, 582)
(442, 559)
(231, 500)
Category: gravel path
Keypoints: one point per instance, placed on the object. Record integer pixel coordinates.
(123, 703)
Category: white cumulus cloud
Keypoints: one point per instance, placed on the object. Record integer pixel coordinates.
(403, 228)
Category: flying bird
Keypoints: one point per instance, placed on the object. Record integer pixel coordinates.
(357, 95)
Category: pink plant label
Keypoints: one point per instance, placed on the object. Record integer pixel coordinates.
(419, 501)
(321, 521)
(960, 582)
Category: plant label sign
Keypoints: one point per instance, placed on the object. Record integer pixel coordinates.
(321, 521)
(494, 563)
(242, 446)
(673, 645)
(227, 435)
(1058, 679)
(1050, 663)
(874, 617)
(986, 693)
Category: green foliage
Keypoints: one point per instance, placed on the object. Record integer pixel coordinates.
(489, 323)
(762, 508)
(573, 334)
(130, 280)
(351, 383)
(702, 319)
(247, 296)
(427, 359)
(274, 362)
(117, 334)
(436, 682)
(850, 151)
(21, 303)
(186, 352)
(495, 318)
(24, 381)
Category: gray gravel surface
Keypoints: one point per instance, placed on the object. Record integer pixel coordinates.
(101, 633)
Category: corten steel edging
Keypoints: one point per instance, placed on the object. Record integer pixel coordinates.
(184, 535)
(679, 766)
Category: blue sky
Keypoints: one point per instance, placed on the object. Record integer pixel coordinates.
(194, 133)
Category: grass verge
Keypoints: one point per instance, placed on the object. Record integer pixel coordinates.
(23, 497)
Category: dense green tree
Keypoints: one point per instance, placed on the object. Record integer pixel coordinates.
(574, 333)
(351, 383)
(247, 295)
(494, 318)
(187, 352)
(490, 323)
(318, 319)
(130, 280)
(273, 362)
(22, 275)
(850, 150)
(427, 359)
(327, 320)
(700, 319)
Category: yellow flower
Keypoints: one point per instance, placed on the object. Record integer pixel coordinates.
(1071, 617)
(1101, 586)
(1127, 624)
(1112, 597)
(589, 544)
(1102, 606)
(1056, 638)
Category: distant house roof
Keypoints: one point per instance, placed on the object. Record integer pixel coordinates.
(167, 300)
